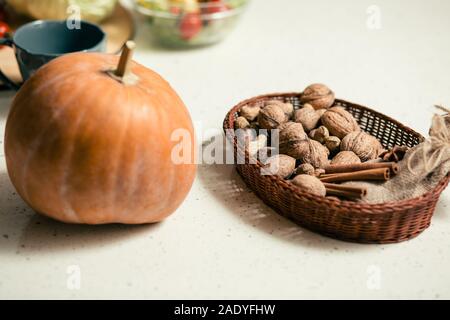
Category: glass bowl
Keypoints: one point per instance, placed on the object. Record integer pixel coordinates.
(191, 23)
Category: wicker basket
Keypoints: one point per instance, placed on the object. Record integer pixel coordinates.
(365, 223)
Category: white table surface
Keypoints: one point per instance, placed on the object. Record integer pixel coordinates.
(223, 242)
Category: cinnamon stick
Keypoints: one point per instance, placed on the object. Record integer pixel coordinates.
(345, 168)
(380, 174)
(358, 192)
(325, 175)
(343, 194)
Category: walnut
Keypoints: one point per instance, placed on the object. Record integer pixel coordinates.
(287, 107)
(318, 95)
(307, 116)
(305, 168)
(310, 151)
(245, 136)
(271, 116)
(320, 134)
(241, 123)
(265, 153)
(310, 184)
(339, 122)
(333, 143)
(365, 146)
(249, 112)
(255, 145)
(281, 165)
(345, 157)
(290, 135)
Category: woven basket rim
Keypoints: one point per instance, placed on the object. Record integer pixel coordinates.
(346, 205)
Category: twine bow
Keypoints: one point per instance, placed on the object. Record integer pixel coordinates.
(432, 150)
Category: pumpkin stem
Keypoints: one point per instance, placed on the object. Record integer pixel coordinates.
(125, 58)
(123, 72)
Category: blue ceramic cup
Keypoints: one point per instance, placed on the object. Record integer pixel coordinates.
(38, 42)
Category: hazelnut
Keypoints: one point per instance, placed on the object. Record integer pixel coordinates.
(271, 116)
(320, 134)
(333, 143)
(305, 168)
(318, 95)
(241, 123)
(345, 157)
(310, 151)
(310, 184)
(281, 165)
(339, 122)
(290, 135)
(249, 112)
(365, 146)
(307, 116)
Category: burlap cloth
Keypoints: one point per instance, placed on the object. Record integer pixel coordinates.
(421, 169)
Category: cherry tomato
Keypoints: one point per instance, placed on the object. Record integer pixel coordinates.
(190, 25)
(4, 30)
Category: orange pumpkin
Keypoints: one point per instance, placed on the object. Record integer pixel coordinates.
(85, 146)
